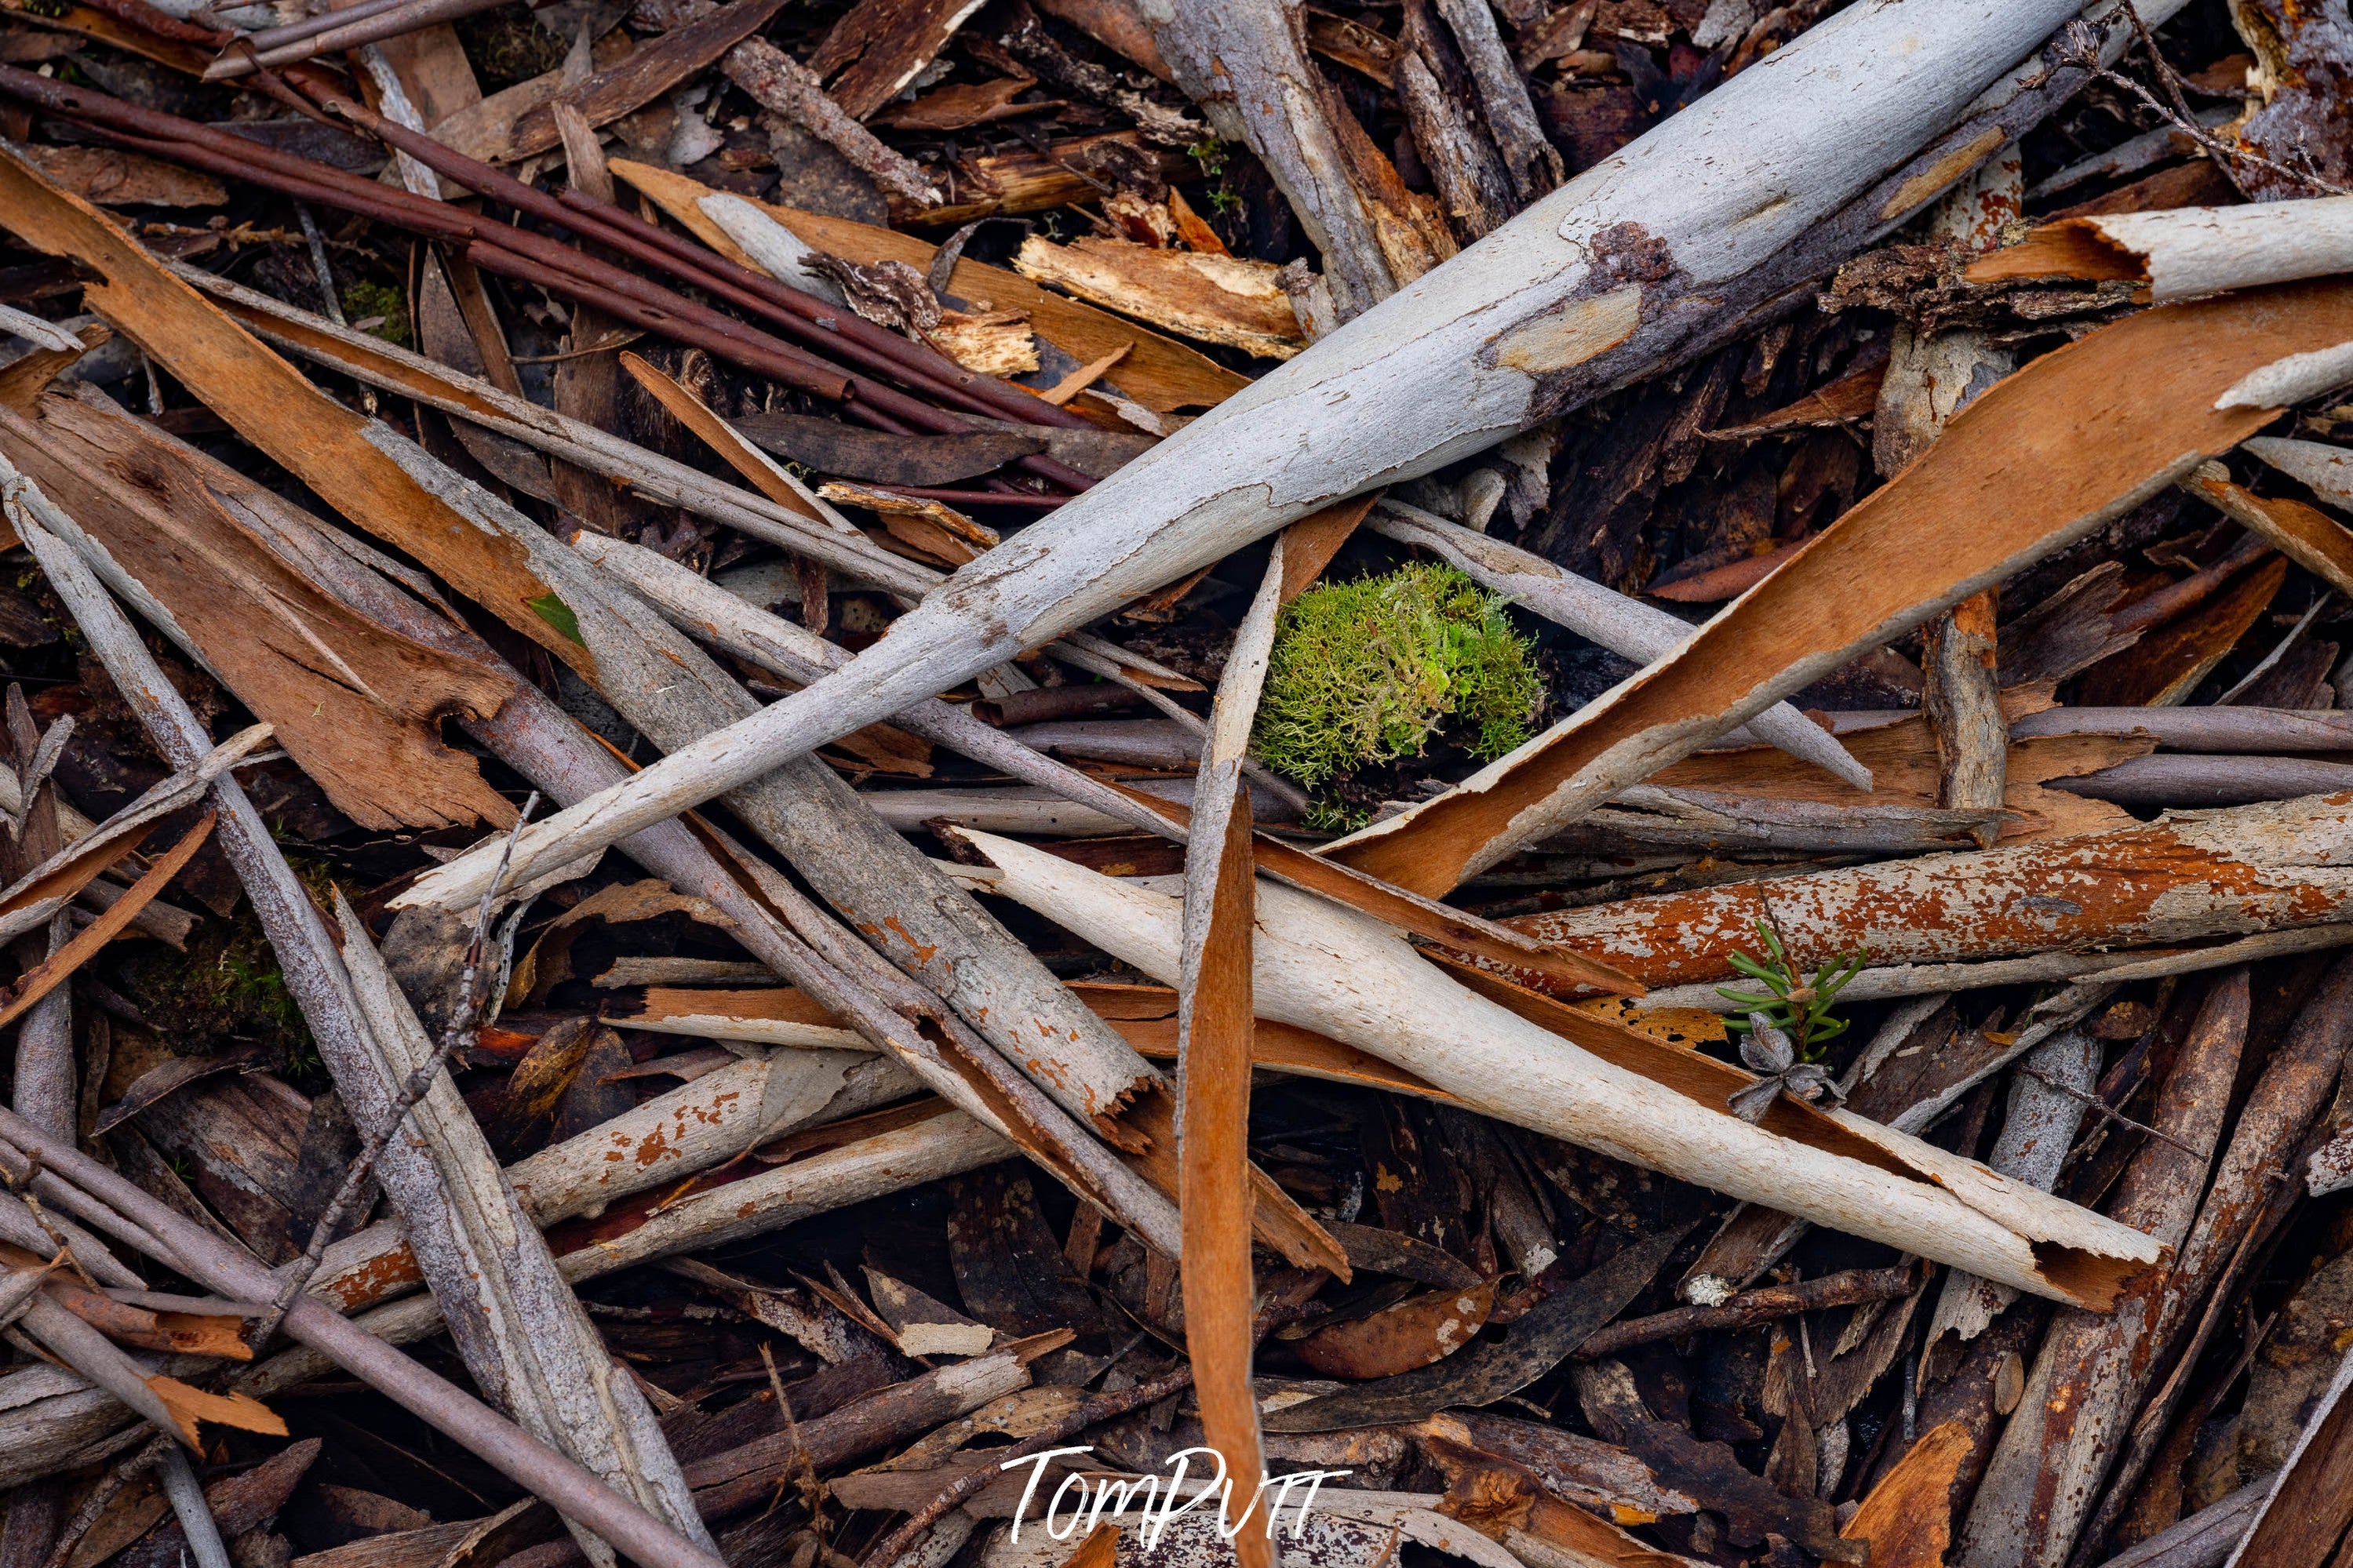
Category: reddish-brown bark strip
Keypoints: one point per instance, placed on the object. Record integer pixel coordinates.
(2184, 878)
(2071, 439)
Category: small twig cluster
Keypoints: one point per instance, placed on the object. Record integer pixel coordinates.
(2082, 48)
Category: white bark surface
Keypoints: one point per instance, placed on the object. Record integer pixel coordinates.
(2190, 252)
(1339, 974)
(1574, 296)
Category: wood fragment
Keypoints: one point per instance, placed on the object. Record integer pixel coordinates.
(1321, 971)
(1709, 684)
(1181, 478)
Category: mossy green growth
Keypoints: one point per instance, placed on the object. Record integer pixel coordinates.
(1364, 672)
(380, 304)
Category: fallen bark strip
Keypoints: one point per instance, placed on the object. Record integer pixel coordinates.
(338, 453)
(2305, 535)
(1928, 538)
(699, 1125)
(1213, 1016)
(390, 368)
(1145, 1014)
(355, 704)
(2184, 878)
(2327, 469)
(1547, 312)
(814, 816)
(1626, 626)
(497, 1279)
(696, 605)
(1607, 1089)
(2046, 1105)
(1156, 371)
(2300, 1518)
(58, 968)
(553, 1370)
(676, 1133)
(188, 1247)
(930, 1145)
(2042, 1478)
(2185, 251)
(47, 888)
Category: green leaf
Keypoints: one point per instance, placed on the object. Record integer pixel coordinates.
(557, 614)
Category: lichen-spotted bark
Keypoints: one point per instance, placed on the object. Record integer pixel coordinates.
(2186, 877)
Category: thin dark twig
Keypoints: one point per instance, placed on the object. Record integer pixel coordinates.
(971, 1483)
(896, 1545)
(2085, 52)
(454, 1034)
(2095, 1103)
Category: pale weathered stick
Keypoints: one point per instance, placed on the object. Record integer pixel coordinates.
(189, 1248)
(1627, 628)
(1547, 311)
(698, 605)
(2037, 1130)
(1330, 970)
(2186, 251)
(2042, 1477)
(672, 1136)
(945, 1143)
(188, 1506)
(314, 975)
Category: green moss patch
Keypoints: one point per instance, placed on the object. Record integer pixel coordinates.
(1366, 672)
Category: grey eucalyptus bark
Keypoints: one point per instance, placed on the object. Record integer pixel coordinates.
(888, 892)
(1656, 254)
(535, 1353)
(1247, 67)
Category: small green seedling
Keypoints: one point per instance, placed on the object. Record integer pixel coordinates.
(1794, 1007)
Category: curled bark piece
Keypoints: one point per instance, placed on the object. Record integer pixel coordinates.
(2186, 251)
(1331, 970)
(1572, 297)
(359, 461)
(1213, 1054)
(2327, 469)
(356, 705)
(2185, 877)
(2149, 381)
